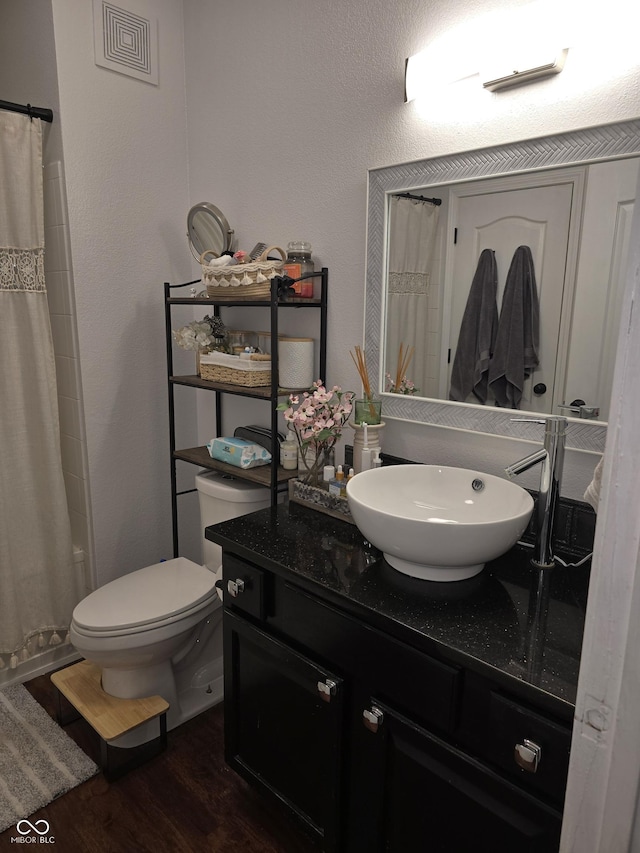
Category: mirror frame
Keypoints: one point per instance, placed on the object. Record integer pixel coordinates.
(604, 142)
(220, 219)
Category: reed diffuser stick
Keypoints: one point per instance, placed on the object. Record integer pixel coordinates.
(361, 366)
(404, 360)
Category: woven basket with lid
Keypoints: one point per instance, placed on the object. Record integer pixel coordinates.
(252, 280)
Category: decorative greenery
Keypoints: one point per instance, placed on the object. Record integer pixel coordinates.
(201, 334)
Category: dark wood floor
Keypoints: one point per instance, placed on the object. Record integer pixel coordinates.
(186, 799)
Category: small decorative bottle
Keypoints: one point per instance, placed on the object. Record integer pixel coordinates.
(289, 453)
(338, 486)
(328, 474)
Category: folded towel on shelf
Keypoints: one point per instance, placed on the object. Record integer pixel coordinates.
(516, 351)
(592, 494)
(477, 333)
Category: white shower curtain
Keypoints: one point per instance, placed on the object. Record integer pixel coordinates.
(37, 588)
(412, 230)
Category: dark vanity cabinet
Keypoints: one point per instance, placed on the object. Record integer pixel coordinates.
(430, 795)
(372, 742)
(284, 720)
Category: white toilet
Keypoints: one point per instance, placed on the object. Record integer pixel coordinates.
(158, 630)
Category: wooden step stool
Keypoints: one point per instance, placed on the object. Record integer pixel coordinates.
(109, 716)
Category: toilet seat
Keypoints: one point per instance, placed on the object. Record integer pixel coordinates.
(146, 599)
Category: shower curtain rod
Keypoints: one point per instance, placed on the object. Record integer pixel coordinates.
(436, 201)
(27, 110)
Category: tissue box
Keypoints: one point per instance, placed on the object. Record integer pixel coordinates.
(238, 452)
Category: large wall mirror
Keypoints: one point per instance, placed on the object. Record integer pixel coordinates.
(569, 199)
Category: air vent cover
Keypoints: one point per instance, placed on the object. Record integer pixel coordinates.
(125, 42)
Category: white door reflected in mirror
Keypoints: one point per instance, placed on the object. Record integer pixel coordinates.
(576, 222)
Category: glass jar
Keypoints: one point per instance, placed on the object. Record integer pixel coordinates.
(299, 262)
(238, 340)
(368, 411)
(312, 459)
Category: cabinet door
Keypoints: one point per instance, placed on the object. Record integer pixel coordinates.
(428, 796)
(283, 726)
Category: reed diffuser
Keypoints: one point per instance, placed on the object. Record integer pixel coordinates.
(402, 385)
(373, 406)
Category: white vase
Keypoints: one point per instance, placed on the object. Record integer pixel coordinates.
(374, 439)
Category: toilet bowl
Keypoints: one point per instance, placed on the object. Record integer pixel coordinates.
(158, 630)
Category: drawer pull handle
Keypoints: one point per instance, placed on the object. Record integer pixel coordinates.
(235, 587)
(372, 719)
(327, 689)
(527, 755)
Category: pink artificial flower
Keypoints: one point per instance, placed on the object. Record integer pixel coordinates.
(321, 413)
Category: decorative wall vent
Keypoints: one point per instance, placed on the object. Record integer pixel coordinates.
(125, 42)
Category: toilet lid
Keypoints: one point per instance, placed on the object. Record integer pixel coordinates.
(145, 596)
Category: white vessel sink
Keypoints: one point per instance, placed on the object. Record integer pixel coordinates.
(438, 523)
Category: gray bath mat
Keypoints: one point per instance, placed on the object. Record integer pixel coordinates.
(38, 761)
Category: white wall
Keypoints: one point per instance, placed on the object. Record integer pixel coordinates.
(125, 149)
(285, 120)
(26, 32)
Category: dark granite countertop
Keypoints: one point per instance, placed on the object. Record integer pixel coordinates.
(519, 625)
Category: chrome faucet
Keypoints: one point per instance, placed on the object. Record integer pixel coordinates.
(551, 457)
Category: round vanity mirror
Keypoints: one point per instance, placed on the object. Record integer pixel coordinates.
(208, 230)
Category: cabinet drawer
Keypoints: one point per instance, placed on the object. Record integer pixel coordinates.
(244, 587)
(437, 798)
(531, 748)
(511, 726)
(411, 680)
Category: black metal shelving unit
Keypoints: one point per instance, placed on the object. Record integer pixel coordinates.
(272, 476)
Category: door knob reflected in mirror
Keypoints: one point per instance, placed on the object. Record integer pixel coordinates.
(539, 389)
(581, 410)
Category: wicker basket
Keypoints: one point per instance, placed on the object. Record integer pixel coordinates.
(242, 281)
(234, 370)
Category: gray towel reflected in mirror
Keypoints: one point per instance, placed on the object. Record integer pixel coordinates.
(515, 355)
(478, 332)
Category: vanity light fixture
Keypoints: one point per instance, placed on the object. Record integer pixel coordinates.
(517, 71)
(434, 69)
(414, 77)
(422, 73)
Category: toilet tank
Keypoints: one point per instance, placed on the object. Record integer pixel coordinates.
(221, 497)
